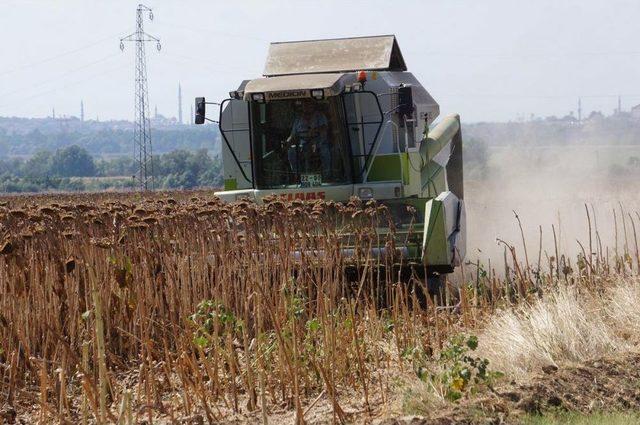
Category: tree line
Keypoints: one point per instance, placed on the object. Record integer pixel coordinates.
(105, 141)
(73, 168)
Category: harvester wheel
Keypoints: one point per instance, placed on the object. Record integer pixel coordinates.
(435, 283)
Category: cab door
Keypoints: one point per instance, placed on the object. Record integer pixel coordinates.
(364, 120)
(236, 144)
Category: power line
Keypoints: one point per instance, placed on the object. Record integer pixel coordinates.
(52, 58)
(70, 84)
(67, 73)
(214, 32)
(215, 66)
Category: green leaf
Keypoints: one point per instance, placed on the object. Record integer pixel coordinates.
(201, 341)
(313, 325)
(422, 373)
(472, 342)
(86, 315)
(453, 395)
(348, 323)
(128, 265)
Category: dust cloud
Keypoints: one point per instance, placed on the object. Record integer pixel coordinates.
(549, 186)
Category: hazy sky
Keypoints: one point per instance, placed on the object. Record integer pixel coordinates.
(487, 60)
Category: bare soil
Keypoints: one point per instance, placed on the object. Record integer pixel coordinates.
(607, 384)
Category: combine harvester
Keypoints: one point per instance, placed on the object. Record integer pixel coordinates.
(337, 118)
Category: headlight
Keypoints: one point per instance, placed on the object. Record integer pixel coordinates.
(257, 97)
(317, 94)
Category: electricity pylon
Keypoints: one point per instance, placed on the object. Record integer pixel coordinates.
(142, 149)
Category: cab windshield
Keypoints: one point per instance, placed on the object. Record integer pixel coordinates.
(300, 143)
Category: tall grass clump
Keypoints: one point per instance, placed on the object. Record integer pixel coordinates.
(564, 326)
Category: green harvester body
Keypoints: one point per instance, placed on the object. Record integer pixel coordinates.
(374, 136)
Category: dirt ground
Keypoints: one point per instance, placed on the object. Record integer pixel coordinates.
(607, 384)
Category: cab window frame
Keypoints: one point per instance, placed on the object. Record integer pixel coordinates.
(336, 126)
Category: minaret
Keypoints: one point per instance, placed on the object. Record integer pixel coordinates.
(619, 104)
(155, 112)
(579, 110)
(53, 113)
(191, 116)
(81, 111)
(179, 104)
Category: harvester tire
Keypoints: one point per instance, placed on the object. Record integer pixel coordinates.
(435, 284)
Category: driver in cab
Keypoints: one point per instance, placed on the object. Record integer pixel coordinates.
(309, 135)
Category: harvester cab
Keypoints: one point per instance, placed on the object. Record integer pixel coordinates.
(332, 119)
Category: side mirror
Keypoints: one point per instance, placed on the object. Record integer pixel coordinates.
(405, 101)
(201, 107)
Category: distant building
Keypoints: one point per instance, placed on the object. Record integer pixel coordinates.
(595, 116)
(635, 112)
(161, 120)
(569, 118)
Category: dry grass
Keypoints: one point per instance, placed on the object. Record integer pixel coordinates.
(115, 307)
(565, 326)
(623, 310)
